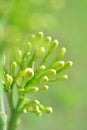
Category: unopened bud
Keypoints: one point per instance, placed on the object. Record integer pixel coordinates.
(40, 35)
(29, 90)
(18, 56)
(53, 46)
(50, 73)
(13, 67)
(42, 67)
(44, 80)
(48, 39)
(40, 51)
(63, 77)
(58, 65)
(44, 88)
(28, 47)
(61, 53)
(27, 73)
(32, 103)
(67, 65)
(8, 81)
(38, 112)
(48, 110)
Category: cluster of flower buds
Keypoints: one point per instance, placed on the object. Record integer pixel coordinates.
(32, 67)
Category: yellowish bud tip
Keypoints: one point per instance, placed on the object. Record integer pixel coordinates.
(65, 76)
(48, 39)
(42, 49)
(40, 34)
(58, 65)
(53, 71)
(44, 79)
(42, 67)
(36, 102)
(8, 79)
(28, 46)
(64, 49)
(13, 65)
(44, 88)
(29, 72)
(70, 63)
(55, 42)
(48, 110)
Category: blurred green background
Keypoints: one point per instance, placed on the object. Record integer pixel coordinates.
(67, 21)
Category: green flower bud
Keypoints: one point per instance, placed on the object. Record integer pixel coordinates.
(29, 90)
(58, 65)
(67, 65)
(40, 51)
(18, 56)
(48, 110)
(53, 46)
(48, 39)
(32, 103)
(32, 38)
(28, 73)
(44, 88)
(40, 35)
(50, 73)
(61, 53)
(42, 68)
(38, 112)
(28, 47)
(13, 67)
(8, 82)
(43, 80)
(63, 77)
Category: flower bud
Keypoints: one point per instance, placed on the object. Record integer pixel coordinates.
(40, 51)
(18, 56)
(48, 39)
(44, 79)
(50, 73)
(27, 73)
(67, 65)
(40, 35)
(32, 38)
(48, 110)
(8, 81)
(42, 68)
(44, 88)
(13, 67)
(38, 112)
(61, 53)
(63, 77)
(32, 103)
(53, 46)
(58, 65)
(29, 90)
(28, 47)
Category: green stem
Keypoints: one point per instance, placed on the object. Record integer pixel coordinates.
(14, 120)
(10, 100)
(2, 110)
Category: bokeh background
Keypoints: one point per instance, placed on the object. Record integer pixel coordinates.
(67, 21)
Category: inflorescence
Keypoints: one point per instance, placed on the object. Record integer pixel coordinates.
(30, 72)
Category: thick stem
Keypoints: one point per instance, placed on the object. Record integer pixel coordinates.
(14, 120)
(2, 110)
